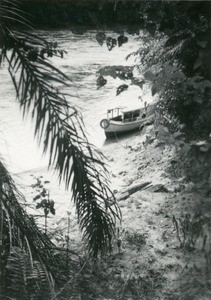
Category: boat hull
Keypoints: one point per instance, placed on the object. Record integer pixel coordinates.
(119, 133)
(119, 128)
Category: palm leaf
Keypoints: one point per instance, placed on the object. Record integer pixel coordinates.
(59, 128)
(22, 243)
(24, 280)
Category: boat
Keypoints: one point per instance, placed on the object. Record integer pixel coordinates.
(122, 121)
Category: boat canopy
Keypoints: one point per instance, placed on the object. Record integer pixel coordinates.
(131, 115)
(124, 110)
(131, 110)
(123, 114)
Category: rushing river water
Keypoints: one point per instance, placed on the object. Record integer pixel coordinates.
(83, 59)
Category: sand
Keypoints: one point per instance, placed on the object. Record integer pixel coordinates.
(148, 260)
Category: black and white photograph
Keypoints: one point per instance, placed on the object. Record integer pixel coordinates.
(105, 150)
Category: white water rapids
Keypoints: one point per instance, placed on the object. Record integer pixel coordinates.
(18, 147)
(83, 59)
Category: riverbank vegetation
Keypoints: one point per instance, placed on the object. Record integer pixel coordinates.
(93, 14)
(174, 60)
(162, 248)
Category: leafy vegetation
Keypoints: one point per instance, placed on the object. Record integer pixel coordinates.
(43, 198)
(190, 228)
(24, 242)
(60, 130)
(180, 63)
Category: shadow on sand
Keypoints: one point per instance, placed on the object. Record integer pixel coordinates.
(119, 138)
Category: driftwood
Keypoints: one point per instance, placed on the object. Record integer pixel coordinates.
(137, 187)
(132, 190)
(158, 188)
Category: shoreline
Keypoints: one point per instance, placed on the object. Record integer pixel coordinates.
(150, 195)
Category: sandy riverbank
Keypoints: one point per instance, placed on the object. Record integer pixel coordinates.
(150, 247)
(151, 191)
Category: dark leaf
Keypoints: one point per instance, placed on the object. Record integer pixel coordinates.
(111, 43)
(101, 81)
(44, 193)
(100, 37)
(121, 89)
(36, 197)
(39, 205)
(52, 210)
(122, 40)
(44, 202)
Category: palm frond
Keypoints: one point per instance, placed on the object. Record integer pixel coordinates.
(59, 127)
(20, 230)
(23, 280)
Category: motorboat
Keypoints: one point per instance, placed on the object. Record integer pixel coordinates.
(122, 121)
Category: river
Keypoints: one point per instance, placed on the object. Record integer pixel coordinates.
(83, 59)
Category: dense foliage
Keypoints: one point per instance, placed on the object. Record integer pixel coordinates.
(180, 61)
(174, 58)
